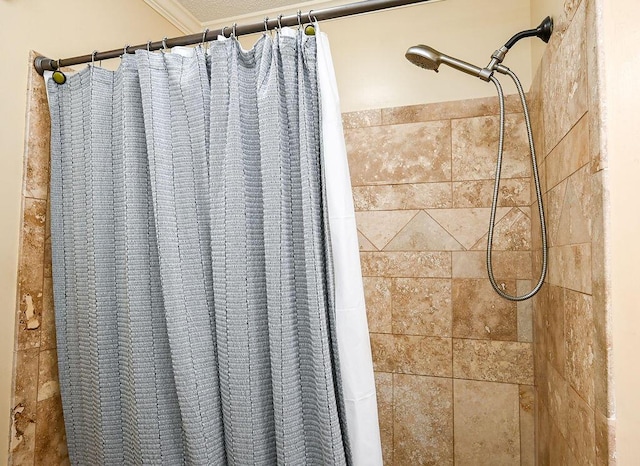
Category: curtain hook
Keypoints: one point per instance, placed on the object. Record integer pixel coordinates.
(93, 58)
(224, 28)
(299, 19)
(149, 46)
(233, 30)
(204, 36)
(125, 50)
(164, 44)
(266, 25)
(280, 21)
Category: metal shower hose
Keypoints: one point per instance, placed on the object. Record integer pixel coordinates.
(536, 179)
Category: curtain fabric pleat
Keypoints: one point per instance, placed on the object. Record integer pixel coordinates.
(192, 278)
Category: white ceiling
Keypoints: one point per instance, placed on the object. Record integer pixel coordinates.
(194, 15)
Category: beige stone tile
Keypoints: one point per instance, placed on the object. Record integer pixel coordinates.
(565, 86)
(506, 264)
(511, 233)
(475, 144)
(411, 153)
(48, 385)
(493, 361)
(542, 435)
(403, 196)
(423, 420)
(423, 233)
(51, 439)
(423, 355)
(377, 293)
(605, 440)
(38, 130)
(23, 415)
(570, 267)
(513, 192)
(595, 84)
(554, 201)
(47, 258)
(571, 153)
(447, 110)
(467, 226)
(527, 425)
(575, 222)
(540, 305)
(381, 226)
(31, 274)
(525, 312)
(579, 331)
(486, 423)
(536, 231)
(364, 244)
(557, 389)
(555, 331)
(422, 306)
(407, 354)
(581, 434)
(383, 352)
(48, 326)
(536, 113)
(384, 394)
(603, 374)
(362, 119)
(406, 264)
(559, 452)
(479, 312)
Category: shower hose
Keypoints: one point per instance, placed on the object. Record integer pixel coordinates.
(536, 179)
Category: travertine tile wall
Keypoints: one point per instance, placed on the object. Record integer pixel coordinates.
(37, 427)
(574, 412)
(453, 360)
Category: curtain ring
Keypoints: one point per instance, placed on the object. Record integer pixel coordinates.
(149, 46)
(280, 21)
(312, 20)
(125, 50)
(204, 36)
(266, 24)
(93, 57)
(299, 18)
(233, 30)
(223, 29)
(164, 43)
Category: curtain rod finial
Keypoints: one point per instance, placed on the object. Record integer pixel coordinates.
(43, 64)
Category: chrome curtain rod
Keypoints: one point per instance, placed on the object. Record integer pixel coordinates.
(43, 63)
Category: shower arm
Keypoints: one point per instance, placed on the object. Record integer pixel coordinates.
(543, 31)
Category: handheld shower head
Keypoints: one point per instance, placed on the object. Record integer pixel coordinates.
(424, 57)
(430, 59)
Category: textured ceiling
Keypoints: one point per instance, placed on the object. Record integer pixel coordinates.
(208, 10)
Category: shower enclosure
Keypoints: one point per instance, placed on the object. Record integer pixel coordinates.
(463, 377)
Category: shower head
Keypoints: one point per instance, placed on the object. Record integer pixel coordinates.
(430, 59)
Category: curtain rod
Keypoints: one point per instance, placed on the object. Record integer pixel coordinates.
(43, 64)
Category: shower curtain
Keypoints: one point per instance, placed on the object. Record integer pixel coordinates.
(196, 313)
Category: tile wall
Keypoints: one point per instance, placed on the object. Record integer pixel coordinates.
(37, 427)
(453, 360)
(574, 410)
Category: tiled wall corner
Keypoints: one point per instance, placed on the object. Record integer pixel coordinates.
(453, 360)
(574, 416)
(37, 429)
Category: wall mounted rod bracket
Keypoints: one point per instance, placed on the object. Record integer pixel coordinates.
(43, 64)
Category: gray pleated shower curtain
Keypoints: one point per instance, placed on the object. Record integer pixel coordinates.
(192, 279)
